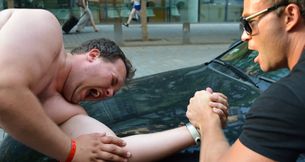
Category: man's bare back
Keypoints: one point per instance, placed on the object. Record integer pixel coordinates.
(47, 50)
(35, 47)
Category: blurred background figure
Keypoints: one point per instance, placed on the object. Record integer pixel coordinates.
(134, 13)
(1, 5)
(86, 16)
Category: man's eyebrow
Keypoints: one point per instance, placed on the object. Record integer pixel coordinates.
(114, 80)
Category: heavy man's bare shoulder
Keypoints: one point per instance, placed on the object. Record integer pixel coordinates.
(19, 17)
(30, 44)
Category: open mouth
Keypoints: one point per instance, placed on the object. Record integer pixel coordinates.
(92, 94)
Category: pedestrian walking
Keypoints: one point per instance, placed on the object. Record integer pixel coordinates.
(86, 16)
(135, 11)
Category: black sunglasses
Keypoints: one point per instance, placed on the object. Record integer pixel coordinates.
(245, 21)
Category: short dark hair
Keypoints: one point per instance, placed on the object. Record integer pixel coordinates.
(109, 50)
(300, 3)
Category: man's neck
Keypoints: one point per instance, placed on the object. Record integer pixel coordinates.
(63, 73)
(297, 47)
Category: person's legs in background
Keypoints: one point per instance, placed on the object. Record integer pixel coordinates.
(92, 20)
(132, 12)
(84, 18)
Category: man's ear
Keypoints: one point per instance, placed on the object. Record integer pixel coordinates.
(293, 16)
(93, 54)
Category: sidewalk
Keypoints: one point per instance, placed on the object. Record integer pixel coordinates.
(160, 34)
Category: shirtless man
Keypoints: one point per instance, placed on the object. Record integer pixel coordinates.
(38, 76)
(41, 86)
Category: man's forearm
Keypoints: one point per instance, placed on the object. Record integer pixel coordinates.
(23, 118)
(214, 144)
(145, 147)
(151, 147)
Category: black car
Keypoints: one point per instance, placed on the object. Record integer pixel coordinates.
(158, 102)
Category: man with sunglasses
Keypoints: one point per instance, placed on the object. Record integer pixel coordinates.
(274, 129)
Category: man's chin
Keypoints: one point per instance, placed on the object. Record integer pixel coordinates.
(75, 100)
(264, 70)
(267, 69)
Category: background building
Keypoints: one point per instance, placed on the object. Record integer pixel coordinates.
(158, 11)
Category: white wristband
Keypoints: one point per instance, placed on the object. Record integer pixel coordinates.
(195, 134)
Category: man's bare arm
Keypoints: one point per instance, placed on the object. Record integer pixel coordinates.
(33, 127)
(146, 147)
(214, 145)
(216, 148)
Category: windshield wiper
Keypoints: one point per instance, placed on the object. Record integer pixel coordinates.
(236, 71)
(266, 79)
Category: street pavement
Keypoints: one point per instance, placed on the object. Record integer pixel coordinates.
(164, 51)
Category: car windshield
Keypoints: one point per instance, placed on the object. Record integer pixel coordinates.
(242, 58)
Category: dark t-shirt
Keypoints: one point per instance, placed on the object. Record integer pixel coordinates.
(275, 125)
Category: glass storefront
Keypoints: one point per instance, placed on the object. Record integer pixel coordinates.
(158, 11)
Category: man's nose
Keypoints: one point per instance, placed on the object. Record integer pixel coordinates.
(245, 37)
(109, 92)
